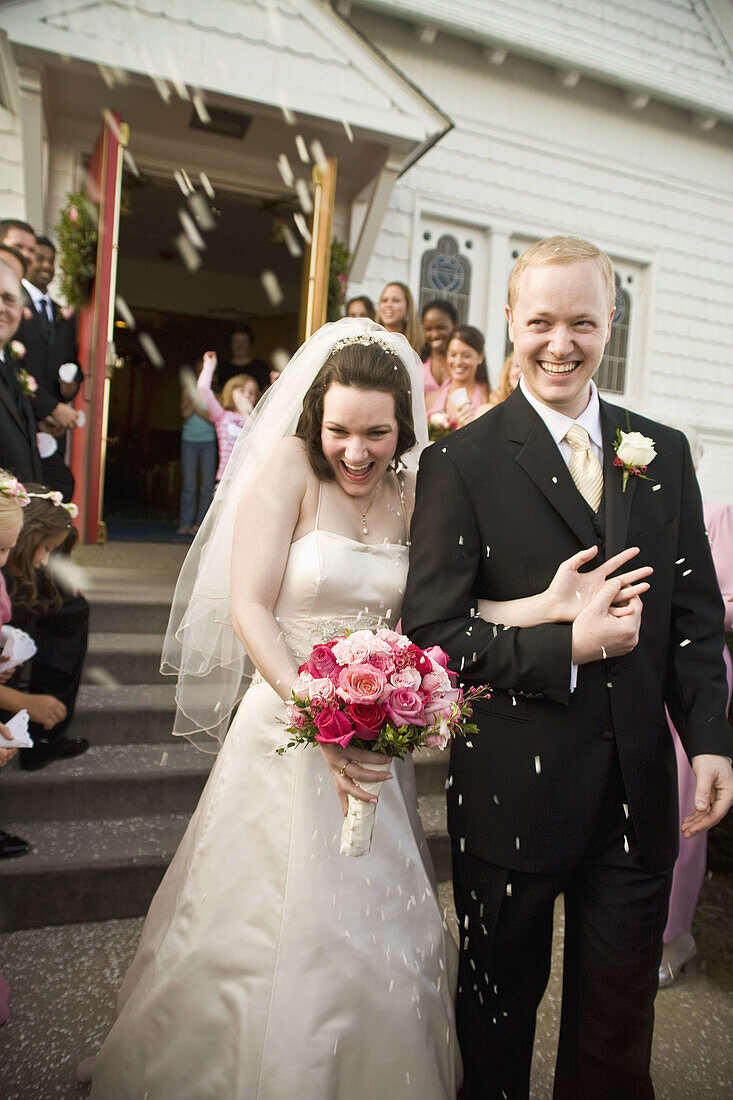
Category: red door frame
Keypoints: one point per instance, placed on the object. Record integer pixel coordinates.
(96, 330)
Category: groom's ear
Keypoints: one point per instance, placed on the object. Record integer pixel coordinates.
(509, 321)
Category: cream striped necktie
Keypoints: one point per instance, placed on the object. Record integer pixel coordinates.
(585, 469)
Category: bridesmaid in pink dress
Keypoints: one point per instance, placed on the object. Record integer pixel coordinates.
(689, 870)
(465, 393)
(439, 318)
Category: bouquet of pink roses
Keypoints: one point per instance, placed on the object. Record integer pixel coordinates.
(376, 690)
(440, 425)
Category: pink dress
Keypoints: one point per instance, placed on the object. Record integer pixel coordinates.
(476, 399)
(227, 424)
(689, 870)
(430, 384)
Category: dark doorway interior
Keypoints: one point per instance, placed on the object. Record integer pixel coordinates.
(185, 313)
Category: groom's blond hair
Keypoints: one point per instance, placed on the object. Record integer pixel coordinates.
(562, 250)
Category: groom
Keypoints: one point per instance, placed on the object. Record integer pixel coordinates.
(569, 786)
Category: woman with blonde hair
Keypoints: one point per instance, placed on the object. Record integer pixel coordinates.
(509, 376)
(396, 313)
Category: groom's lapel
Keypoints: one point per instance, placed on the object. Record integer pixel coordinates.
(540, 458)
(617, 502)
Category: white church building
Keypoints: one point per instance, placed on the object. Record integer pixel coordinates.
(462, 132)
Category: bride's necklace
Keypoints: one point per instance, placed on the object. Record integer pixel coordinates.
(364, 514)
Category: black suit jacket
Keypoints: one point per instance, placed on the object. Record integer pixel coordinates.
(18, 448)
(47, 346)
(496, 512)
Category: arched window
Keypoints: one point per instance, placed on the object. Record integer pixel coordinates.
(445, 273)
(611, 376)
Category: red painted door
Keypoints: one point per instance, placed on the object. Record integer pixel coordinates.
(96, 329)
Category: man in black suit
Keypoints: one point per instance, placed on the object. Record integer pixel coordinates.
(18, 448)
(49, 337)
(569, 786)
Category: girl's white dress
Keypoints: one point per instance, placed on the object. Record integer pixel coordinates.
(271, 966)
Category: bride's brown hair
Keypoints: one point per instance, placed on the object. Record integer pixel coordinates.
(365, 367)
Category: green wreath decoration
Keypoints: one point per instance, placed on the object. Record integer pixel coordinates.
(76, 231)
(337, 279)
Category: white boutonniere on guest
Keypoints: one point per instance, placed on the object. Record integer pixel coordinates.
(65, 313)
(16, 349)
(27, 313)
(634, 452)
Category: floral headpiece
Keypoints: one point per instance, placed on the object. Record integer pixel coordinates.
(363, 338)
(56, 498)
(13, 489)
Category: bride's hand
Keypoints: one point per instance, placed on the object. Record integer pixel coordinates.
(570, 591)
(346, 773)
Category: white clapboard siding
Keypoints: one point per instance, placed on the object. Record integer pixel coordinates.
(530, 158)
(12, 191)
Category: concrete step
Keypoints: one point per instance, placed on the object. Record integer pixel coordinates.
(130, 611)
(86, 870)
(124, 658)
(109, 781)
(125, 714)
(91, 869)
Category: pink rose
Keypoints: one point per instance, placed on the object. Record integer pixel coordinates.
(436, 682)
(321, 661)
(322, 691)
(418, 659)
(406, 678)
(295, 717)
(437, 655)
(17, 349)
(334, 728)
(27, 313)
(362, 684)
(444, 707)
(56, 498)
(73, 215)
(367, 720)
(383, 662)
(439, 738)
(391, 636)
(11, 487)
(67, 313)
(302, 686)
(405, 708)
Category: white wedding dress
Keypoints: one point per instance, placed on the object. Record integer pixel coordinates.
(271, 966)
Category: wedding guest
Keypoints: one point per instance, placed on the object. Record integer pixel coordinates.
(509, 376)
(48, 335)
(199, 456)
(18, 446)
(439, 318)
(360, 306)
(57, 619)
(14, 259)
(20, 236)
(230, 411)
(11, 521)
(689, 869)
(464, 394)
(240, 360)
(396, 312)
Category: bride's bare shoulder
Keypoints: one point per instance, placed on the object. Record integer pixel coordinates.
(289, 457)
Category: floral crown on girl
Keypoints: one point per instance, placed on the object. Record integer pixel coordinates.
(13, 489)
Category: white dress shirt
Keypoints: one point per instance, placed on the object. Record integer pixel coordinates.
(38, 297)
(557, 425)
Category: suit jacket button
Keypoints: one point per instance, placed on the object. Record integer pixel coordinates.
(607, 735)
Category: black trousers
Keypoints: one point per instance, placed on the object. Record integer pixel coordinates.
(56, 669)
(57, 475)
(615, 913)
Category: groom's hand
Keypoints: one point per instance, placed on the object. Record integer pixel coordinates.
(604, 630)
(713, 793)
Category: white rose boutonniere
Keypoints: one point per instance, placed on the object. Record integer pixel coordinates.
(634, 452)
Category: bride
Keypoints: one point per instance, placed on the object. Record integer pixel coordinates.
(270, 966)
